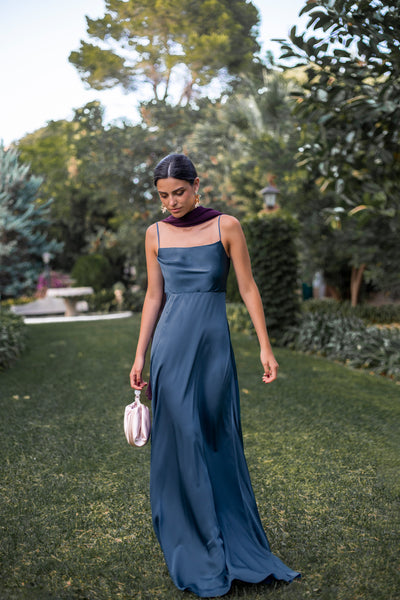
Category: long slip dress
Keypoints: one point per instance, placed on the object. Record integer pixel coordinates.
(203, 507)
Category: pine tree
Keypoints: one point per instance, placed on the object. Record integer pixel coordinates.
(24, 223)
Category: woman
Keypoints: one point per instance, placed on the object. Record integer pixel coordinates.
(203, 507)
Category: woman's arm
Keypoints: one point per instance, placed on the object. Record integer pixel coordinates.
(235, 244)
(151, 308)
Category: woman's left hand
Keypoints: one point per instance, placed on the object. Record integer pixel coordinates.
(271, 367)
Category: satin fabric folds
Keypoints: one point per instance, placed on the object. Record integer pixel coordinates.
(203, 507)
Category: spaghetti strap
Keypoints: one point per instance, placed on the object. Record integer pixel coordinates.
(158, 236)
(219, 227)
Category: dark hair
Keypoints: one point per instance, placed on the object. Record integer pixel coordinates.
(178, 166)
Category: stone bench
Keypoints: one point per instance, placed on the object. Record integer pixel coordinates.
(70, 295)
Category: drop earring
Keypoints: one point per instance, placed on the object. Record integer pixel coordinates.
(196, 200)
(163, 208)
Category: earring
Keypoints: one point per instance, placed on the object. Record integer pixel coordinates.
(163, 208)
(196, 200)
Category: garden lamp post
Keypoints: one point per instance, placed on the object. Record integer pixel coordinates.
(269, 195)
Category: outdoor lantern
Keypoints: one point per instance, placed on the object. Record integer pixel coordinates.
(269, 195)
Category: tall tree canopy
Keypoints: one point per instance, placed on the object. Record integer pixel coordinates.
(352, 95)
(350, 107)
(182, 44)
(100, 178)
(89, 172)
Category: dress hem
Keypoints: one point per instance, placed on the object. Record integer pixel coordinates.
(269, 579)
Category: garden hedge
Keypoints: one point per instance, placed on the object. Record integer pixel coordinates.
(93, 270)
(384, 314)
(271, 240)
(349, 340)
(12, 338)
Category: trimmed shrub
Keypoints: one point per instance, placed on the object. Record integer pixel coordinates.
(105, 301)
(93, 270)
(271, 240)
(12, 338)
(348, 339)
(232, 289)
(133, 300)
(385, 314)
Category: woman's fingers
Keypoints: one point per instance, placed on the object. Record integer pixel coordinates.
(271, 372)
(139, 386)
(135, 378)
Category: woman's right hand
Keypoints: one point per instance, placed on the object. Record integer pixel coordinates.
(135, 375)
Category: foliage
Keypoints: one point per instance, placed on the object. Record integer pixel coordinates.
(12, 338)
(351, 111)
(101, 180)
(23, 226)
(133, 300)
(349, 340)
(92, 270)
(51, 279)
(239, 318)
(89, 172)
(263, 109)
(335, 250)
(384, 314)
(232, 288)
(160, 46)
(272, 245)
(352, 95)
(102, 301)
(322, 445)
(255, 123)
(17, 301)
(105, 301)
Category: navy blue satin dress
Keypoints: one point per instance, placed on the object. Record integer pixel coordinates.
(203, 506)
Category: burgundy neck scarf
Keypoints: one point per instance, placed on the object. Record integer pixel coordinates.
(196, 216)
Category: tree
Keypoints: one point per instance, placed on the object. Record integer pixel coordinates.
(100, 178)
(350, 107)
(88, 171)
(23, 226)
(165, 45)
(243, 138)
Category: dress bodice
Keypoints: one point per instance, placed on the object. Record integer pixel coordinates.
(194, 269)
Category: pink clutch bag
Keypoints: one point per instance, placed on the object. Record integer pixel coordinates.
(137, 423)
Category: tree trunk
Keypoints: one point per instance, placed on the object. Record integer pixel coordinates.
(355, 283)
(167, 85)
(186, 93)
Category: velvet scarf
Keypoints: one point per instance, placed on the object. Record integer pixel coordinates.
(198, 215)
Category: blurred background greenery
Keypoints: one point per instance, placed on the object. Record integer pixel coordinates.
(321, 124)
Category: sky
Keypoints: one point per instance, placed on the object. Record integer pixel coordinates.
(38, 84)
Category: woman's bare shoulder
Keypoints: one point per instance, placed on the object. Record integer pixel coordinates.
(230, 224)
(151, 231)
(151, 236)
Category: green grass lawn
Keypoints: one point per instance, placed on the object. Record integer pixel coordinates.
(322, 445)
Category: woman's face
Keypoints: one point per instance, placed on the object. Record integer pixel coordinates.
(177, 196)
